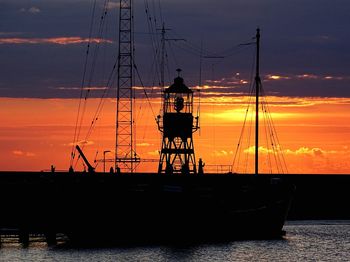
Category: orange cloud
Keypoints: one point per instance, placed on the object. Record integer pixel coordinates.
(154, 153)
(18, 152)
(334, 78)
(307, 76)
(54, 40)
(261, 149)
(30, 154)
(144, 144)
(21, 153)
(317, 152)
(82, 143)
(307, 151)
(85, 88)
(277, 77)
(220, 153)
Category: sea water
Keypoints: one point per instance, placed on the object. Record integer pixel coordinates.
(304, 241)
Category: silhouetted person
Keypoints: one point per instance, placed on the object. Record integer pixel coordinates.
(111, 170)
(118, 170)
(53, 168)
(200, 167)
(71, 170)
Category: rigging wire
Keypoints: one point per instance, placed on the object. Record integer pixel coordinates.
(250, 94)
(91, 74)
(97, 47)
(167, 65)
(194, 47)
(83, 82)
(160, 12)
(269, 163)
(155, 44)
(248, 141)
(272, 141)
(101, 103)
(275, 136)
(233, 48)
(147, 98)
(172, 53)
(144, 90)
(154, 69)
(273, 145)
(104, 75)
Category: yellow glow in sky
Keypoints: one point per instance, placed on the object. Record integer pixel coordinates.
(314, 133)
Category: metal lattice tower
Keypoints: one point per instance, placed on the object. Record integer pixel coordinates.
(125, 154)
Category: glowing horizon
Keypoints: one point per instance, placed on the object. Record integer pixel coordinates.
(37, 133)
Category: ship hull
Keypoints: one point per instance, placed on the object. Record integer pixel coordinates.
(110, 208)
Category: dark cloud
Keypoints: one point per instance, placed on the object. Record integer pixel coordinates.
(33, 10)
(298, 38)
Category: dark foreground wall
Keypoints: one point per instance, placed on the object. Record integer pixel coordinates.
(316, 196)
(320, 197)
(128, 206)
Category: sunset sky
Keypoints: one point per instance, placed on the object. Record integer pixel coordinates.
(305, 63)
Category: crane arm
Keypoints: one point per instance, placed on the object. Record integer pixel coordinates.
(91, 169)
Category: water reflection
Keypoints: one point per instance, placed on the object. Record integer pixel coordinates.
(320, 241)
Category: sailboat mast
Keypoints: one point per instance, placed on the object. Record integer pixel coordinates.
(257, 94)
(162, 63)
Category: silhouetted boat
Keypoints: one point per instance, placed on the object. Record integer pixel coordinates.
(100, 208)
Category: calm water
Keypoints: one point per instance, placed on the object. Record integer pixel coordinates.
(305, 241)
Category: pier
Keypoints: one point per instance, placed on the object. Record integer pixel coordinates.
(25, 238)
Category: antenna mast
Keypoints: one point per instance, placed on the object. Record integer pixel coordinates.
(125, 152)
(162, 61)
(257, 94)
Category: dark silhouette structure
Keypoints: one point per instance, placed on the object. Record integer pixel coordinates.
(104, 208)
(177, 125)
(174, 204)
